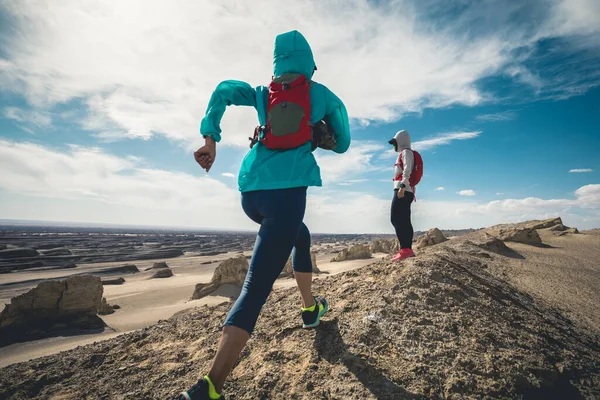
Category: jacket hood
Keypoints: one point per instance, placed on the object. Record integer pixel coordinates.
(292, 55)
(402, 139)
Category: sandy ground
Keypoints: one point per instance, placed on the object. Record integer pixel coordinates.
(566, 274)
(143, 301)
(438, 326)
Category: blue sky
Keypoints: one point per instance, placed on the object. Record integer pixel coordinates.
(501, 98)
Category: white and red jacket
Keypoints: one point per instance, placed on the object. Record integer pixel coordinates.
(403, 168)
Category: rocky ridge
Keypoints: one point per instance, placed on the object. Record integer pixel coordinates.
(436, 326)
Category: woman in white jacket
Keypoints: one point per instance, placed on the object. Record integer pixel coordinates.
(403, 195)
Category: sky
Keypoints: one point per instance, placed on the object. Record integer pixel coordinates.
(101, 102)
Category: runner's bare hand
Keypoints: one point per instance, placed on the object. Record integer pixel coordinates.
(205, 155)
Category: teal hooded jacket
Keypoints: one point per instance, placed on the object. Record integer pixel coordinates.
(263, 168)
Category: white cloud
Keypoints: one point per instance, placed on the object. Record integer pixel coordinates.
(228, 174)
(89, 185)
(443, 139)
(348, 167)
(439, 139)
(499, 193)
(589, 195)
(524, 75)
(352, 182)
(82, 184)
(583, 211)
(576, 17)
(439, 189)
(581, 170)
(153, 71)
(82, 173)
(468, 192)
(497, 117)
(347, 211)
(38, 118)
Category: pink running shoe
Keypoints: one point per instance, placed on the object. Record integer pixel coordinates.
(402, 254)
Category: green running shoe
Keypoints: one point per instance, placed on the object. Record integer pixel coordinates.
(200, 391)
(311, 316)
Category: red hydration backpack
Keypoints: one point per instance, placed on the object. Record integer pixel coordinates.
(417, 172)
(288, 114)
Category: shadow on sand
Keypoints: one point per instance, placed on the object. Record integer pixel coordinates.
(331, 347)
(510, 253)
(45, 329)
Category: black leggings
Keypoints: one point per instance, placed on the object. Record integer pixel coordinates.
(401, 219)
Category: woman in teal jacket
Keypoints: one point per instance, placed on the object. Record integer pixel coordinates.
(273, 185)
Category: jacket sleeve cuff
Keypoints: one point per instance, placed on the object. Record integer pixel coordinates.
(216, 137)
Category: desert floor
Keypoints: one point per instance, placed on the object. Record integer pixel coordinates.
(143, 301)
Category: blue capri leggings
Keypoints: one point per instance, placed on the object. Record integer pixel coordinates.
(279, 213)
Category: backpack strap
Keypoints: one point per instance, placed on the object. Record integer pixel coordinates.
(398, 160)
(259, 132)
(281, 83)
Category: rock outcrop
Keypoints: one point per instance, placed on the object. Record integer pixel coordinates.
(159, 253)
(543, 224)
(10, 266)
(60, 251)
(158, 265)
(567, 231)
(232, 271)
(561, 230)
(116, 281)
(288, 270)
(124, 269)
(53, 306)
(431, 237)
(212, 252)
(526, 232)
(517, 234)
(522, 232)
(104, 308)
(491, 243)
(163, 273)
(554, 225)
(18, 252)
(356, 252)
(558, 228)
(387, 246)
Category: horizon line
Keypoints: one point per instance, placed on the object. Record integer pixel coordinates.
(108, 225)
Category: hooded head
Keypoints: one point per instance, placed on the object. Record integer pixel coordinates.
(401, 141)
(292, 55)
